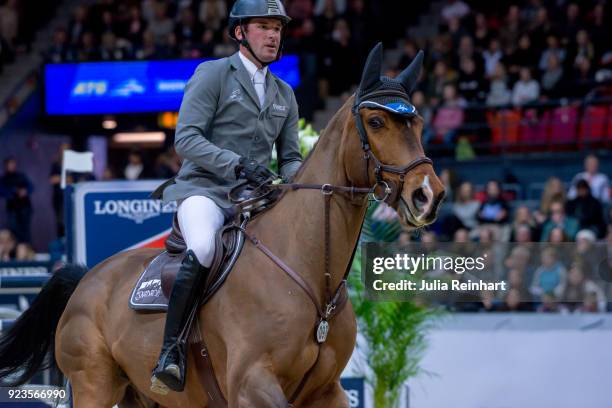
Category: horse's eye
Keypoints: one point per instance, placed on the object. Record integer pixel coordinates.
(376, 122)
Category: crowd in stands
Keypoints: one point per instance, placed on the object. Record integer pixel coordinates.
(510, 73)
(18, 26)
(485, 72)
(555, 256)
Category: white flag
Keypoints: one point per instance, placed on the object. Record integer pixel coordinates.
(74, 161)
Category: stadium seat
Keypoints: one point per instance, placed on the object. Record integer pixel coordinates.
(563, 126)
(593, 124)
(505, 130)
(534, 130)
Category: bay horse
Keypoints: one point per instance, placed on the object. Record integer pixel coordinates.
(260, 326)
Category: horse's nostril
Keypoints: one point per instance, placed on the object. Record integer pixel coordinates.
(419, 199)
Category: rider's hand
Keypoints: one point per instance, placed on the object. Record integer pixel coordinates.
(253, 171)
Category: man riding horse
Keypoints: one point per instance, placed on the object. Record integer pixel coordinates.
(233, 111)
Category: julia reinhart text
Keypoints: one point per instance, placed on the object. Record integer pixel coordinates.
(437, 285)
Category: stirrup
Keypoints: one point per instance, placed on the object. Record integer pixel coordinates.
(172, 373)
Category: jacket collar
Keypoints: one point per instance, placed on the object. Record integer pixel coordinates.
(245, 80)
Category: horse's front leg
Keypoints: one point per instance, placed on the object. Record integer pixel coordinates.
(332, 396)
(255, 388)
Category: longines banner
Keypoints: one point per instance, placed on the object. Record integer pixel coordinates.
(110, 217)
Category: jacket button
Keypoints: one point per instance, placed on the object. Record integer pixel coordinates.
(256, 138)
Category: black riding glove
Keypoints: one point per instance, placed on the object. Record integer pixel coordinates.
(253, 171)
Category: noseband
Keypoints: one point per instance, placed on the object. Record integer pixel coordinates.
(390, 189)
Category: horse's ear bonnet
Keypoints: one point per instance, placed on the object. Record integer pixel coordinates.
(381, 92)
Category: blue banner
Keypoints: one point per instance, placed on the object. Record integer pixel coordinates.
(354, 388)
(110, 217)
(130, 86)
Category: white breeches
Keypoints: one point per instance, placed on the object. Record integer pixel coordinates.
(199, 219)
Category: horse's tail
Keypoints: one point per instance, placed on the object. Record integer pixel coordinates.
(24, 346)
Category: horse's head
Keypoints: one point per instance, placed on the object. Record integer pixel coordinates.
(389, 143)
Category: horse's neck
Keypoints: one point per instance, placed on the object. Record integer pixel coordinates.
(297, 222)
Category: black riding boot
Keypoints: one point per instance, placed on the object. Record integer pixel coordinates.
(170, 370)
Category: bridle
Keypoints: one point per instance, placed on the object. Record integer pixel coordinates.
(390, 190)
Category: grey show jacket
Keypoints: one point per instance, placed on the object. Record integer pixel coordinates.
(220, 120)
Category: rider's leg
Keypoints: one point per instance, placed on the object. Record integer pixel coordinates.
(199, 219)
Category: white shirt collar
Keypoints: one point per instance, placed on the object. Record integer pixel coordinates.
(251, 67)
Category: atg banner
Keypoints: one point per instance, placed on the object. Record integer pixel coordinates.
(110, 217)
(130, 86)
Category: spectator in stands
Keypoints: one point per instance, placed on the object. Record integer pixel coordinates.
(583, 49)
(134, 27)
(207, 44)
(341, 59)
(226, 47)
(466, 50)
(9, 27)
(516, 280)
(511, 28)
(57, 195)
(558, 219)
(579, 287)
(17, 188)
(454, 9)
(550, 304)
(523, 217)
(60, 50)
(440, 77)
(147, 48)
(571, 24)
(514, 302)
(494, 210)
(465, 208)
(481, 32)
(540, 28)
(167, 164)
(470, 85)
(88, 51)
(187, 31)
(109, 49)
(135, 168)
(582, 79)
(553, 191)
(161, 25)
(450, 115)
(7, 245)
(492, 56)
(588, 252)
(526, 89)
(499, 94)
(550, 277)
(418, 100)
(24, 252)
(523, 56)
(553, 49)
(586, 209)
(78, 24)
(598, 29)
(212, 13)
(599, 183)
(552, 80)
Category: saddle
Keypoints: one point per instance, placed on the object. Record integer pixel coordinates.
(153, 288)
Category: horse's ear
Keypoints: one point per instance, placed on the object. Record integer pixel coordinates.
(408, 77)
(372, 69)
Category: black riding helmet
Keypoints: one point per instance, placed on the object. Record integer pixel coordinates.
(243, 10)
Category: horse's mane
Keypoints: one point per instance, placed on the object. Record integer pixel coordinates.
(334, 123)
